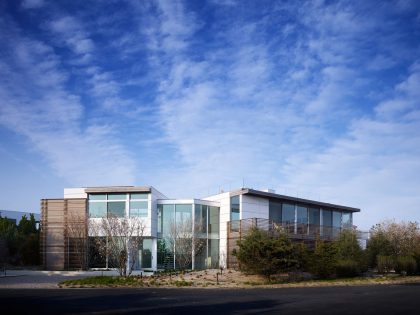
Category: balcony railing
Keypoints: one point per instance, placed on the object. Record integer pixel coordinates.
(293, 230)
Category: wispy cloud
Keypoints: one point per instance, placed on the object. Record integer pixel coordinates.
(51, 116)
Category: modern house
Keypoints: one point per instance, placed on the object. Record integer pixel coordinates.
(216, 221)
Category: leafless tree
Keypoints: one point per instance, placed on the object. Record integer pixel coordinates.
(186, 241)
(123, 235)
(77, 238)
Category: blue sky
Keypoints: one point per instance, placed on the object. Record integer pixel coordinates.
(316, 99)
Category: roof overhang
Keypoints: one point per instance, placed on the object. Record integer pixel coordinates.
(117, 189)
(308, 202)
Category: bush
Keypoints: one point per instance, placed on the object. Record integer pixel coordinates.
(406, 264)
(347, 268)
(324, 259)
(385, 263)
(264, 253)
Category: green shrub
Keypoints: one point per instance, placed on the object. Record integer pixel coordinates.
(385, 263)
(347, 268)
(406, 264)
(264, 253)
(324, 259)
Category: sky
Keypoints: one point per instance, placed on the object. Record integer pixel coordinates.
(315, 99)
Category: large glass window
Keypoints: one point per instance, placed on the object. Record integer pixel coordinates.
(116, 208)
(327, 223)
(302, 219)
(97, 209)
(165, 219)
(234, 208)
(274, 211)
(288, 213)
(314, 220)
(337, 219)
(139, 208)
(327, 218)
(347, 220)
(213, 228)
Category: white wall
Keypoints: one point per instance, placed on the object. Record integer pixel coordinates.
(74, 193)
(224, 200)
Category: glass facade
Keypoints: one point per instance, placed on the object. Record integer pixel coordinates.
(184, 242)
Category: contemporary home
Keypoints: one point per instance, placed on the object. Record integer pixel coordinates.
(216, 222)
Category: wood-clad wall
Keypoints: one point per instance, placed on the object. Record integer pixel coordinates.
(56, 215)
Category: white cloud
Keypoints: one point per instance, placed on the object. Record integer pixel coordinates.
(32, 4)
(52, 119)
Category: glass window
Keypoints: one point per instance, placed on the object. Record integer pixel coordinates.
(234, 208)
(165, 219)
(314, 216)
(337, 219)
(97, 209)
(288, 213)
(274, 211)
(97, 196)
(145, 253)
(183, 214)
(301, 215)
(140, 196)
(139, 208)
(326, 218)
(314, 221)
(116, 209)
(302, 220)
(347, 220)
(214, 222)
(200, 219)
(116, 196)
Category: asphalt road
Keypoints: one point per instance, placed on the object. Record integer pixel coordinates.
(389, 299)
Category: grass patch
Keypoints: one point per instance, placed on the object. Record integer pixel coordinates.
(105, 281)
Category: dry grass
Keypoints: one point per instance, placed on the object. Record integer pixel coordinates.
(228, 279)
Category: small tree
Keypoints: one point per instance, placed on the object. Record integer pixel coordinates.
(265, 253)
(185, 241)
(324, 259)
(77, 230)
(123, 235)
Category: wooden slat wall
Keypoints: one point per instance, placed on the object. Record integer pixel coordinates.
(55, 251)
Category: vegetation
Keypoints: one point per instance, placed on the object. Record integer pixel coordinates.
(393, 247)
(265, 253)
(19, 244)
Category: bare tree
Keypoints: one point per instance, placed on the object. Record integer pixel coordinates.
(185, 241)
(77, 238)
(123, 237)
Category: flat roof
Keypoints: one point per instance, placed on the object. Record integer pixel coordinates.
(114, 189)
(253, 192)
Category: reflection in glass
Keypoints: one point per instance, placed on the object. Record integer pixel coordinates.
(274, 211)
(97, 209)
(116, 209)
(139, 208)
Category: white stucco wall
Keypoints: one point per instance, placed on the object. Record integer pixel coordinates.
(224, 200)
(74, 193)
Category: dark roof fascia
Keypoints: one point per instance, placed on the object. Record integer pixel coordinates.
(117, 189)
(253, 192)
